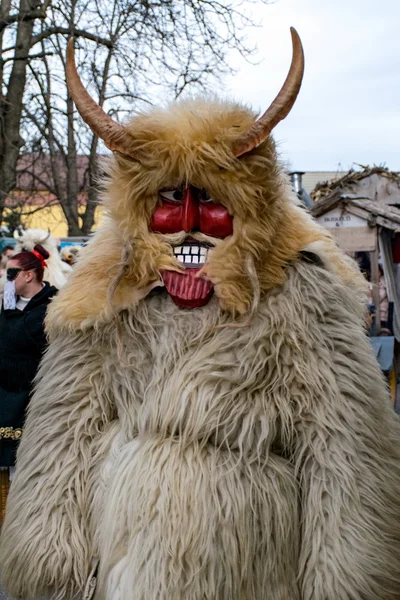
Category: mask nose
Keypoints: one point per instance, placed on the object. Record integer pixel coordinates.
(190, 217)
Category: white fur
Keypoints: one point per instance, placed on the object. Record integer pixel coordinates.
(57, 271)
(204, 461)
(70, 254)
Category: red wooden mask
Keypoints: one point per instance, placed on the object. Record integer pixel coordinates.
(190, 210)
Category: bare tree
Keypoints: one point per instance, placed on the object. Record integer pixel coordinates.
(128, 52)
(21, 19)
(23, 24)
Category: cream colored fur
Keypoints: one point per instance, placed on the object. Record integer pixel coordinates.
(201, 460)
(246, 450)
(191, 142)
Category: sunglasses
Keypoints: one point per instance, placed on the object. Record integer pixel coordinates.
(12, 273)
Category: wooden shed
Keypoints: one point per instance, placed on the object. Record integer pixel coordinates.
(362, 211)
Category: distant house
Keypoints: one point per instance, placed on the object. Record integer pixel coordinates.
(362, 211)
(35, 195)
(364, 199)
(376, 183)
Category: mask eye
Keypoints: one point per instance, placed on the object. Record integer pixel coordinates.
(172, 195)
(205, 196)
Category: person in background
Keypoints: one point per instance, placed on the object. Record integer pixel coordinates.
(383, 299)
(364, 262)
(22, 343)
(6, 253)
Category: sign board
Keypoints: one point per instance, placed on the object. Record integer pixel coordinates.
(351, 232)
(338, 218)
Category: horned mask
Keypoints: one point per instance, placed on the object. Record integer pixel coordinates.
(196, 197)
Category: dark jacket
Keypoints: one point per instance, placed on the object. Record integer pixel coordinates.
(22, 342)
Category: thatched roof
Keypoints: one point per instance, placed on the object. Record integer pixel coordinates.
(351, 183)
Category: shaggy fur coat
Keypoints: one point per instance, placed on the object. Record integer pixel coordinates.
(246, 450)
(196, 459)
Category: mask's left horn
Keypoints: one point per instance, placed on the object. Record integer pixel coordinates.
(113, 134)
(280, 107)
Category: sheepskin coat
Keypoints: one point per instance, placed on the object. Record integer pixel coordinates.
(198, 459)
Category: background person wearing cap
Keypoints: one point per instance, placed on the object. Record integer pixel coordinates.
(22, 343)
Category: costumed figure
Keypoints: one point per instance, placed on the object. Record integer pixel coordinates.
(209, 420)
(57, 271)
(70, 254)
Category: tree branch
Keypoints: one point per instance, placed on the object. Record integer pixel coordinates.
(26, 57)
(76, 33)
(30, 16)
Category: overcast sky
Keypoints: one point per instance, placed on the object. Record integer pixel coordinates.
(348, 109)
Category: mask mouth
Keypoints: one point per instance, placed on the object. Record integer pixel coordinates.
(191, 253)
(185, 288)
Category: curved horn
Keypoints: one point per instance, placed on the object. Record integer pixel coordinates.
(113, 134)
(280, 107)
(46, 237)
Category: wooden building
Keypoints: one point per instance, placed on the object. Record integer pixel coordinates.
(362, 211)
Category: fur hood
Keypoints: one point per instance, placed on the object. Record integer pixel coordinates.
(191, 142)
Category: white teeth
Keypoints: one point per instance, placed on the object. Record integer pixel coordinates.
(185, 259)
(191, 255)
